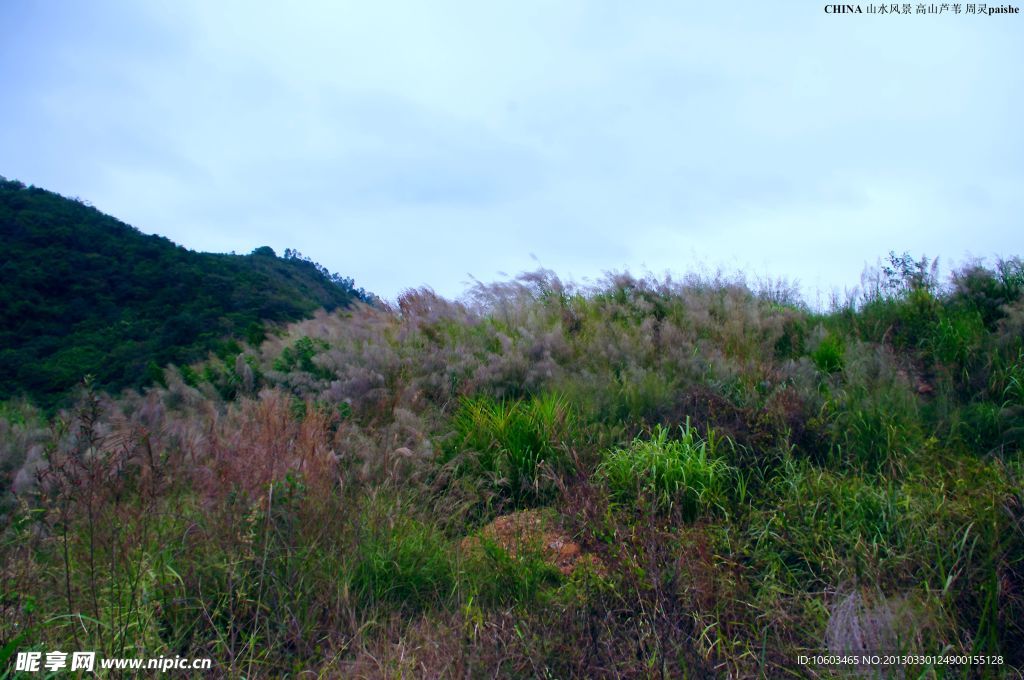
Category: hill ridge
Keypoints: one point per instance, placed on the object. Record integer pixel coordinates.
(82, 292)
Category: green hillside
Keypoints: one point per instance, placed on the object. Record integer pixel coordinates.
(83, 293)
(638, 478)
(642, 478)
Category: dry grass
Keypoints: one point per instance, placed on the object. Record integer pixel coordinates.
(299, 509)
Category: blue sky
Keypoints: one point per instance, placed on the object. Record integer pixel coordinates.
(424, 143)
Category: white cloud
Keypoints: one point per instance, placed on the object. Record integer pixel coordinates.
(410, 143)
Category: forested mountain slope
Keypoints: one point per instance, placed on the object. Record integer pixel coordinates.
(83, 293)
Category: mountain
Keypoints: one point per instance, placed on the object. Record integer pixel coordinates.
(83, 293)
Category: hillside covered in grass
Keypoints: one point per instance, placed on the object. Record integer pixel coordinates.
(82, 293)
(643, 478)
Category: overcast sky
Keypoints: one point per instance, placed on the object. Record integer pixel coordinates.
(421, 143)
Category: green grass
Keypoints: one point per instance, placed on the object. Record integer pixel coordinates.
(406, 563)
(498, 578)
(684, 474)
(512, 441)
(828, 355)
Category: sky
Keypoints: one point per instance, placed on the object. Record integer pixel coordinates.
(410, 144)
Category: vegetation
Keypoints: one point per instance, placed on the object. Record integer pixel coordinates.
(510, 442)
(646, 478)
(684, 474)
(81, 293)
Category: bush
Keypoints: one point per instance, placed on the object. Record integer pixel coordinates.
(684, 474)
(986, 291)
(299, 357)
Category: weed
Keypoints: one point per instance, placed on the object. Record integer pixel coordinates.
(406, 563)
(828, 355)
(682, 474)
(514, 440)
(323, 504)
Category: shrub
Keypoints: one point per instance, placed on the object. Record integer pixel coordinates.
(684, 474)
(986, 291)
(300, 356)
(903, 274)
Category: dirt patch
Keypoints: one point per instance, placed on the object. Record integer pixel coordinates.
(532, 530)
